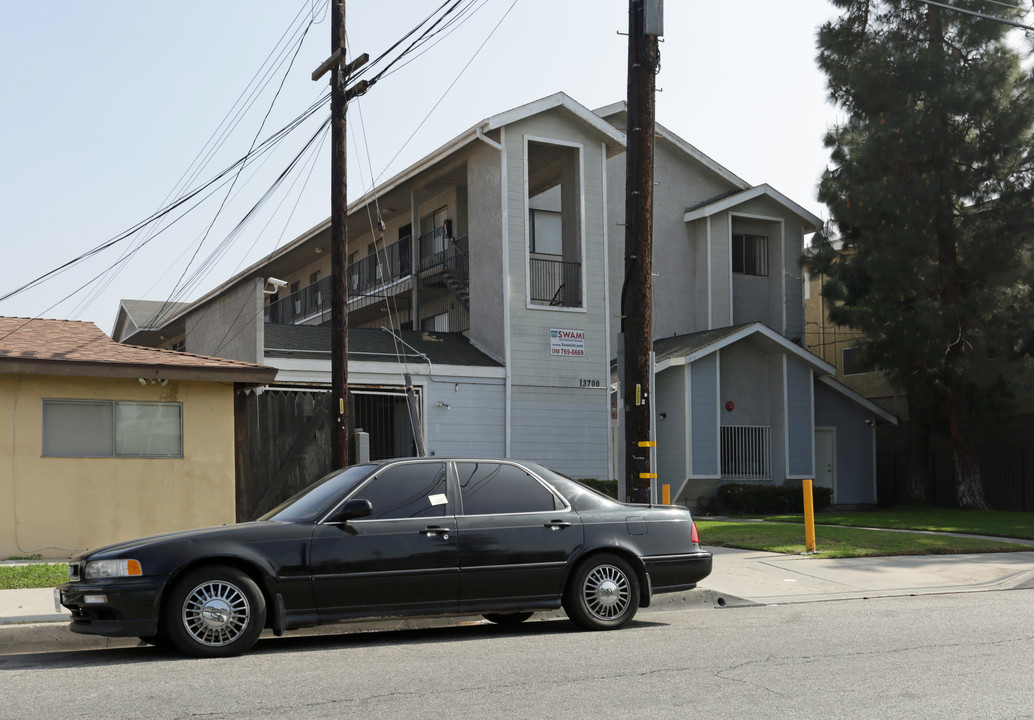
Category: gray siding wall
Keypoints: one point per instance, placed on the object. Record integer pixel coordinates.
(759, 298)
(704, 416)
(474, 422)
(563, 430)
(230, 326)
(559, 405)
(799, 428)
(721, 271)
(673, 431)
(485, 220)
(855, 445)
(679, 249)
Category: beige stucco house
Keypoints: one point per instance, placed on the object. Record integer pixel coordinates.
(101, 441)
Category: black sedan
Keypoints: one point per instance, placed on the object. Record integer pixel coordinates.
(407, 537)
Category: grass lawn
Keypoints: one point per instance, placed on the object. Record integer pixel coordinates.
(42, 575)
(916, 517)
(839, 542)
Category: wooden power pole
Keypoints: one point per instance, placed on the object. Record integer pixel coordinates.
(644, 26)
(339, 439)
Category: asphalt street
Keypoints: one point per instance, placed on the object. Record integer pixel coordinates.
(926, 656)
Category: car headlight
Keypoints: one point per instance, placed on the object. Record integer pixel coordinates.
(112, 569)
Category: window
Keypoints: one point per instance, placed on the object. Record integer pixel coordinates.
(852, 364)
(407, 491)
(749, 254)
(435, 323)
(102, 428)
(491, 488)
(546, 232)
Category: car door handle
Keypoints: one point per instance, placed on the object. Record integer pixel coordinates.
(558, 524)
(435, 530)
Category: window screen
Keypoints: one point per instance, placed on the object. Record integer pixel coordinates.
(491, 488)
(547, 232)
(105, 428)
(750, 254)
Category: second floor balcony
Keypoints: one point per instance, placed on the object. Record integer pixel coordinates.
(442, 272)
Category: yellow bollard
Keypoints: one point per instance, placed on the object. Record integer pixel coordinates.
(809, 518)
(666, 494)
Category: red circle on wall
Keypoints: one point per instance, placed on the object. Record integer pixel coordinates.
(729, 406)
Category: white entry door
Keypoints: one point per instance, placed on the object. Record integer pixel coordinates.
(825, 458)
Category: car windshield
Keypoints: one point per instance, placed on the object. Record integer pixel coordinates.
(317, 499)
(581, 497)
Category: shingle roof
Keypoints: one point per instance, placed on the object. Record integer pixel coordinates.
(374, 345)
(67, 347)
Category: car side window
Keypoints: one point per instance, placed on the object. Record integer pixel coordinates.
(492, 488)
(407, 491)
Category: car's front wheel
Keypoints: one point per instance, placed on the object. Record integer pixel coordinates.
(215, 611)
(602, 593)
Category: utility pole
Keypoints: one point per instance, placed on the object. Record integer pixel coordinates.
(644, 26)
(339, 434)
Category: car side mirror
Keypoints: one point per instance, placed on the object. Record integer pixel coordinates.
(353, 509)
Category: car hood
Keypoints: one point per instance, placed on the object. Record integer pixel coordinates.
(180, 536)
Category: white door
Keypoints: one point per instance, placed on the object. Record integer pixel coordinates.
(825, 458)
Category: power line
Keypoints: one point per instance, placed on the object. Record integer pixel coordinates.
(981, 15)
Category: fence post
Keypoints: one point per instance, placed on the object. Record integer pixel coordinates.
(809, 518)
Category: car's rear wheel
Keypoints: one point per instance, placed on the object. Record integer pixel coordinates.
(507, 618)
(215, 611)
(602, 593)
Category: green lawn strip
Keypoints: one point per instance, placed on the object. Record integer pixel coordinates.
(43, 575)
(840, 542)
(975, 522)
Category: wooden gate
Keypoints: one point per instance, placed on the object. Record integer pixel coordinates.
(282, 446)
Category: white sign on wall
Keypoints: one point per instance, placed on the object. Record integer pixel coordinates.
(567, 343)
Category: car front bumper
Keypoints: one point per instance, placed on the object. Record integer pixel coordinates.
(125, 608)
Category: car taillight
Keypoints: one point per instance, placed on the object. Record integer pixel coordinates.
(694, 535)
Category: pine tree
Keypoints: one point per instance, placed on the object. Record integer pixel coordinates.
(930, 186)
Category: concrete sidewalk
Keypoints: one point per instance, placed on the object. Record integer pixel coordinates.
(29, 622)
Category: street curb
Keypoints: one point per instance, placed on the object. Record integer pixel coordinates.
(31, 635)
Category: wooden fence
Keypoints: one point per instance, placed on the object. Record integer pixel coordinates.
(1008, 479)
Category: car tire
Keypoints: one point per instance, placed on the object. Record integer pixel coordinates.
(215, 611)
(602, 593)
(507, 618)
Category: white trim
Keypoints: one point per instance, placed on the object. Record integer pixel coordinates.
(756, 328)
(832, 384)
(558, 100)
(786, 420)
(687, 378)
(812, 223)
(710, 269)
(505, 239)
(606, 304)
(583, 307)
(728, 248)
(665, 134)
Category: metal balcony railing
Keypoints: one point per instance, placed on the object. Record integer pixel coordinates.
(555, 282)
(443, 263)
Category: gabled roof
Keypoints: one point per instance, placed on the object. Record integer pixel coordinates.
(854, 397)
(136, 316)
(613, 138)
(686, 349)
(666, 135)
(35, 346)
(728, 202)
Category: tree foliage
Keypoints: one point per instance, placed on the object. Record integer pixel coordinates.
(930, 188)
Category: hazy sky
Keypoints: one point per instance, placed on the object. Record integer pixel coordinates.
(108, 105)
